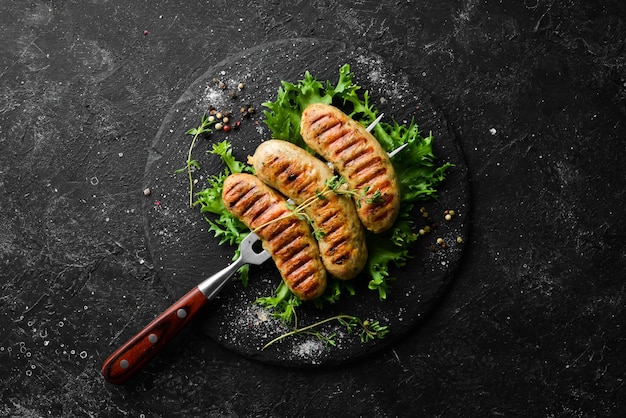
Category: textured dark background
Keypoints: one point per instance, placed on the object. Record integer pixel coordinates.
(533, 324)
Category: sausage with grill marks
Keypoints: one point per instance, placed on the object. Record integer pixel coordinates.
(286, 237)
(302, 177)
(356, 155)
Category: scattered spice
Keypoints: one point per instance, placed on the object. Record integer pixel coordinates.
(147, 191)
(145, 32)
(246, 111)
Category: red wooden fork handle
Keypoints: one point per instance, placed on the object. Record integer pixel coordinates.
(126, 361)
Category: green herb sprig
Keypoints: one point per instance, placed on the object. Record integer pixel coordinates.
(368, 330)
(191, 164)
(415, 166)
(335, 184)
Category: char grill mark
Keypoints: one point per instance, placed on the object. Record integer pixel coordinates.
(300, 268)
(372, 179)
(282, 236)
(362, 154)
(350, 149)
(257, 209)
(320, 117)
(244, 197)
(332, 134)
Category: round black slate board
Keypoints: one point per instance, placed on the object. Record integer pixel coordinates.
(185, 252)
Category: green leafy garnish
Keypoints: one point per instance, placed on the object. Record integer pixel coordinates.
(224, 225)
(284, 114)
(191, 165)
(415, 167)
(369, 330)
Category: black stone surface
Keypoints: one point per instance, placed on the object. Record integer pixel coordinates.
(533, 322)
(185, 252)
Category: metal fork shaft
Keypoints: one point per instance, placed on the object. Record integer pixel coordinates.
(212, 286)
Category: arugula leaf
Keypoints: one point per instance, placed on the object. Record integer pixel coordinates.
(284, 114)
(282, 304)
(225, 150)
(225, 226)
(415, 167)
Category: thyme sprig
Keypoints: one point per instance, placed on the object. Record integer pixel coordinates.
(335, 184)
(369, 330)
(191, 164)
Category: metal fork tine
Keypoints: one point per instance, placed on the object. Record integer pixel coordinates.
(373, 125)
(397, 150)
(248, 253)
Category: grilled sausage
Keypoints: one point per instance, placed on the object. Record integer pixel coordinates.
(357, 156)
(286, 237)
(300, 176)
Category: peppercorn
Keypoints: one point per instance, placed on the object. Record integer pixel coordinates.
(226, 128)
(218, 126)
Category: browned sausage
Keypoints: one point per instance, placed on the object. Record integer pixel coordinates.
(300, 176)
(357, 156)
(286, 237)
